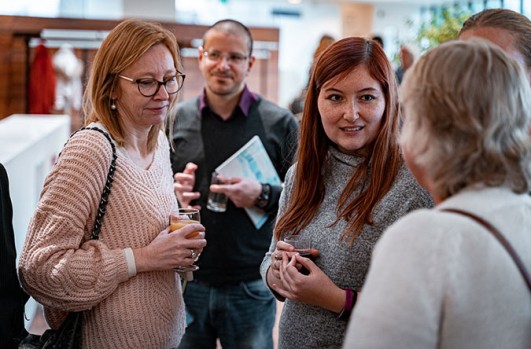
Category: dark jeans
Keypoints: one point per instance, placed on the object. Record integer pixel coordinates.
(241, 316)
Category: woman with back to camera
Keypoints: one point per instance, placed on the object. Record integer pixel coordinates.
(124, 282)
(349, 183)
(466, 138)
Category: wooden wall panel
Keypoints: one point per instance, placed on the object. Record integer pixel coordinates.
(16, 57)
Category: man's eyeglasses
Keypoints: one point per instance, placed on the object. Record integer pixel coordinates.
(150, 87)
(232, 58)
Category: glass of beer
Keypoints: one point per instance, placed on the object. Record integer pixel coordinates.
(180, 218)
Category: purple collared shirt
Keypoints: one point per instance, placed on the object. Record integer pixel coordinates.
(246, 100)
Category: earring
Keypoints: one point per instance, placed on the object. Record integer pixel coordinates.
(113, 105)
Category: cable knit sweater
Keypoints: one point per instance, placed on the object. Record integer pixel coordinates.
(63, 269)
(308, 326)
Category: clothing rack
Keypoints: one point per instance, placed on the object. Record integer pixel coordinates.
(54, 38)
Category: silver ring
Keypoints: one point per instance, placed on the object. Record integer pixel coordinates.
(278, 256)
(194, 254)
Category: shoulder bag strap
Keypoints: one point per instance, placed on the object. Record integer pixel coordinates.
(107, 188)
(499, 236)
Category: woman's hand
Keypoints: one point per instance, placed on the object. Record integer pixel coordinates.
(276, 258)
(315, 288)
(171, 249)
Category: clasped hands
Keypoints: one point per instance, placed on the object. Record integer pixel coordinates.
(285, 277)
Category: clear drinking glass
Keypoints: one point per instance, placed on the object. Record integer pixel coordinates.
(217, 202)
(180, 218)
(301, 244)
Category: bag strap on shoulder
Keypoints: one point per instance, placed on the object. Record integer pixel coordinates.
(499, 236)
(107, 188)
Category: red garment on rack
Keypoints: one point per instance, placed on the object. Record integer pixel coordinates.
(41, 83)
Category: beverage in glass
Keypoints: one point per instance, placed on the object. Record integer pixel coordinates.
(179, 219)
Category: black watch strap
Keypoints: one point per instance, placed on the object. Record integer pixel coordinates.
(263, 200)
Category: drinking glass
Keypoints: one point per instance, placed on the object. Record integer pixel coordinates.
(301, 244)
(180, 218)
(217, 202)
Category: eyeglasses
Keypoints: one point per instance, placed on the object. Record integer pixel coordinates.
(232, 58)
(150, 87)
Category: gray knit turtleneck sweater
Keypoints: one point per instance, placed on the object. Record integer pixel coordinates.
(308, 326)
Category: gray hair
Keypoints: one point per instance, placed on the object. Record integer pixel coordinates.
(467, 109)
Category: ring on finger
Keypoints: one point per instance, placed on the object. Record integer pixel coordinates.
(278, 256)
(194, 254)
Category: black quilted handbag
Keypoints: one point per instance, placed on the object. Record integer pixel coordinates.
(69, 335)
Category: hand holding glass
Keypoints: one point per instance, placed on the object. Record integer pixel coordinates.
(179, 219)
(217, 202)
(302, 245)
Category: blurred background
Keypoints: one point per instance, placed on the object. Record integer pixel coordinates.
(300, 24)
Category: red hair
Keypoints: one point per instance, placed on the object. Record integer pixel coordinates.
(384, 160)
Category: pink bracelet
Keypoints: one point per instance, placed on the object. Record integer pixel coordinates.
(351, 297)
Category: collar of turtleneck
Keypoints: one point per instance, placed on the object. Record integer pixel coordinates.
(351, 160)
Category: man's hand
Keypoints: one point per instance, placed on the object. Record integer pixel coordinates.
(184, 184)
(243, 192)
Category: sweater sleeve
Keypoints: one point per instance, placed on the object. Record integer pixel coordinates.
(60, 266)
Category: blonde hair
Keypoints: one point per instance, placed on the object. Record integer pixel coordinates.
(467, 111)
(124, 45)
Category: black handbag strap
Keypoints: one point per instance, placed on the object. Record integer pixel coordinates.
(499, 236)
(107, 188)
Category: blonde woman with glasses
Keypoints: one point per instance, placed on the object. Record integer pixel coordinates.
(124, 282)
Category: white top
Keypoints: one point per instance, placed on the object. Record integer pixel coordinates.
(441, 280)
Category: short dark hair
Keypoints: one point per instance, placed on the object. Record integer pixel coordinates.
(378, 39)
(231, 26)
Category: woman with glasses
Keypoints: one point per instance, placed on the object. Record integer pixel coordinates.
(124, 282)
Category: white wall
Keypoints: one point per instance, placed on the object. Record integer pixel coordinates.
(163, 10)
(29, 145)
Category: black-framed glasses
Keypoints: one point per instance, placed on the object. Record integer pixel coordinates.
(149, 87)
(232, 58)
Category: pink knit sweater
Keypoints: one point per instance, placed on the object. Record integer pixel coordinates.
(63, 269)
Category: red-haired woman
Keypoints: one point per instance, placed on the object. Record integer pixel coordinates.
(349, 184)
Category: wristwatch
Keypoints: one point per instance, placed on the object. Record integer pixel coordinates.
(263, 198)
